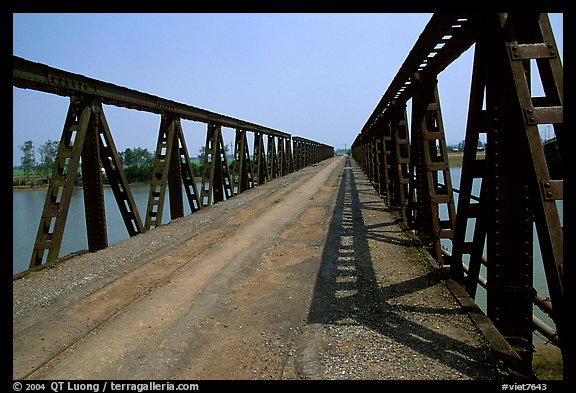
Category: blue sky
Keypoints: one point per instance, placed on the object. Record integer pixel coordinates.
(317, 76)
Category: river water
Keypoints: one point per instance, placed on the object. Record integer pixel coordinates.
(27, 210)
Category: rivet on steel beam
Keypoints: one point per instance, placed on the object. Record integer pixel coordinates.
(547, 185)
(549, 194)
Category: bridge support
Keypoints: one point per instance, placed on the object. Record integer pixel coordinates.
(260, 165)
(518, 191)
(242, 172)
(216, 181)
(171, 169)
(85, 134)
(432, 189)
(272, 159)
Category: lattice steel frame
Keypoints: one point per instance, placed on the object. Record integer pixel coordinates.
(517, 191)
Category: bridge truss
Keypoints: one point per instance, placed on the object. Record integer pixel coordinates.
(519, 188)
(87, 145)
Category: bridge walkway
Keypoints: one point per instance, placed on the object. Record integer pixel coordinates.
(308, 276)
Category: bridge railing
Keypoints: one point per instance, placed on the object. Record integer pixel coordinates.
(87, 144)
(408, 165)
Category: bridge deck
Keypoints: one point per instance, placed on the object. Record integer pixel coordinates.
(305, 277)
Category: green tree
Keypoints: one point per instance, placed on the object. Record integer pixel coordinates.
(28, 159)
(137, 164)
(196, 168)
(48, 153)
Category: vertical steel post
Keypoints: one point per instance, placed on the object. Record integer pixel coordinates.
(433, 189)
(175, 175)
(387, 160)
(160, 170)
(216, 182)
(186, 174)
(289, 156)
(401, 159)
(272, 161)
(242, 174)
(519, 201)
(95, 212)
(260, 165)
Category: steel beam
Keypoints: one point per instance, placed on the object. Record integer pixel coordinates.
(216, 181)
(472, 215)
(432, 190)
(110, 160)
(242, 172)
(92, 185)
(272, 158)
(37, 76)
(160, 172)
(260, 165)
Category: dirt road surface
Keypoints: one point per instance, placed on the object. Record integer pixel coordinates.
(307, 276)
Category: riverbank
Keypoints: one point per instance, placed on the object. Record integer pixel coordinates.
(455, 158)
(547, 361)
(45, 187)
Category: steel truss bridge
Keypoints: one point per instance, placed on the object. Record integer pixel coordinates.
(408, 165)
(87, 141)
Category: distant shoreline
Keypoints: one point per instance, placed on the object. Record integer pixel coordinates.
(40, 188)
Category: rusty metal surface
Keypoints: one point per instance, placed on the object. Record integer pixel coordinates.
(59, 194)
(272, 158)
(242, 172)
(431, 191)
(160, 171)
(110, 160)
(92, 185)
(187, 174)
(260, 167)
(37, 76)
(216, 180)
